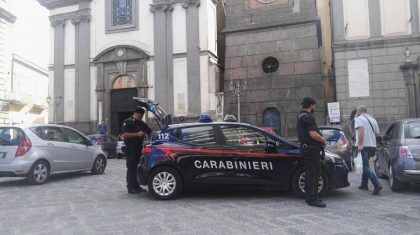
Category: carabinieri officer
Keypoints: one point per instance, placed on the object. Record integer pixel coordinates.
(312, 146)
(133, 131)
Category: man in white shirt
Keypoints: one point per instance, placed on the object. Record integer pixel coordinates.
(366, 130)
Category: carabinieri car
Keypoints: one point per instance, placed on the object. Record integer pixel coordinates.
(221, 154)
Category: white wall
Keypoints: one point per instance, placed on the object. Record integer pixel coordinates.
(51, 45)
(356, 17)
(51, 94)
(69, 95)
(69, 43)
(179, 25)
(204, 85)
(212, 27)
(142, 38)
(180, 87)
(395, 16)
(202, 11)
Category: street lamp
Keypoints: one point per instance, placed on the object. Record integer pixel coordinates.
(237, 88)
(56, 103)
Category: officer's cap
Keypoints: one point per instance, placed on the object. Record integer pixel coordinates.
(205, 118)
(139, 110)
(307, 102)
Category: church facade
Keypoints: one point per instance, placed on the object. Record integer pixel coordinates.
(104, 52)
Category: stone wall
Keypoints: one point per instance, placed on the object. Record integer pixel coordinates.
(388, 95)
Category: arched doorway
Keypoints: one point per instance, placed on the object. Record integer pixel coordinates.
(121, 75)
(122, 104)
(272, 118)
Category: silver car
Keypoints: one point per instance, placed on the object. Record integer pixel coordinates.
(37, 151)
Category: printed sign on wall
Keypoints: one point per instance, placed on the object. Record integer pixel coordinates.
(358, 72)
(334, 112)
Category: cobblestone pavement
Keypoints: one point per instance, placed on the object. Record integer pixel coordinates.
(88, 204)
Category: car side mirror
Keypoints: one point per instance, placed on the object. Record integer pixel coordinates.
(386, 137)
(88, 143)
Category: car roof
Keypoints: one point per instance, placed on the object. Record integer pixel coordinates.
(205, 124)
(331, 127)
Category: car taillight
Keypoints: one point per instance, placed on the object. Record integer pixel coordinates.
(23, 148)
(147, 150)
(405, 152)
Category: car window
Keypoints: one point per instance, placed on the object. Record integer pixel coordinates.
(10, 136)
(73, 137)
(331, 134)
(105, 138)
(199, 135)
(412, 130)
(52, 134)
(395, 134)
(389, 131)
(243, 136)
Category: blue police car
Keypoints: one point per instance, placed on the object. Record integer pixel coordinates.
(226, 155)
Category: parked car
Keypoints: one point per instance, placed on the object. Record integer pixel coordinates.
(121, 149)
(271, 130)
(338, 142)
(227, 155)
(399, 154)
(37, 151)
(108, 143)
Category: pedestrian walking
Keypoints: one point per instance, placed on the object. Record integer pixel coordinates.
(102, 128)
(133, 132)
(312, 145)
(366, 129)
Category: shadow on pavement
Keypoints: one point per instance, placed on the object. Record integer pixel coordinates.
(53, 179)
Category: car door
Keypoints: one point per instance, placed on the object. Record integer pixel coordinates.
(81, 154)
(385, 149)
(395, 142)
(55, 146)
(254, 164)
(200, 154)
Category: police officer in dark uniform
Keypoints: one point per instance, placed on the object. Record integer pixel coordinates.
(133, 131)
(312, 146)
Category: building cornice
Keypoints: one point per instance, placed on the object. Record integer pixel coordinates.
(53, 4)
(7, 15)
(75, 16)
(373, 43)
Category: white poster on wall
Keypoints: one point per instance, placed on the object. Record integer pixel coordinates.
(334, 112)
(358, 71)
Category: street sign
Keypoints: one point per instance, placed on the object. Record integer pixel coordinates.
(334, 112)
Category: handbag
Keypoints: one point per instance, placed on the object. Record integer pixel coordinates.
(358, 163)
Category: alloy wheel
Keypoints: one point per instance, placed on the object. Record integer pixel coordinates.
(391, 176)
(100, 164)
(302, 183)
(164, 183)
(40, 173)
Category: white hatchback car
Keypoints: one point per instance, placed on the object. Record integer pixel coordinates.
(37, 151)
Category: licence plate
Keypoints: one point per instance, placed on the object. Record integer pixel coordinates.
(2, 155)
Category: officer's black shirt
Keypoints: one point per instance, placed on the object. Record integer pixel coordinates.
(306, 123)
(130, 125)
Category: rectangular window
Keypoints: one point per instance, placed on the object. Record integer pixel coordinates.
(243, 136)
(121, 15)
(356, 19)
(395, 17)
(10, 136)
(199, 135)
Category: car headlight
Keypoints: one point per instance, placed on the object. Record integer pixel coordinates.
(333, 157)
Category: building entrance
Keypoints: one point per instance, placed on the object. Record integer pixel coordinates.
(122, 106)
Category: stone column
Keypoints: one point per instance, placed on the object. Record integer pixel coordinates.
(58, 24)
(193, 57)
(338, 20)
(410, 71)
(375, 19)
(82, 64)
(414, 6)
(164, 89)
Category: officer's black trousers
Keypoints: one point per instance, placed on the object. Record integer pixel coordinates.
(133, 159)
(312, 174)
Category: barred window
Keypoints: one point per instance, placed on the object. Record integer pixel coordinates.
(122, 12)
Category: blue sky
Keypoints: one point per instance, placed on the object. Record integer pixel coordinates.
(31, 31)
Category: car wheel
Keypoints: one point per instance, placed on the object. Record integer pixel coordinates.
(165, 183)
(39, 173)
(378, 170)
(99, 165)
(298, 184)
(394, 183)
(119, 156)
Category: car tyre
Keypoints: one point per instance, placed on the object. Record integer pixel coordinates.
(119, 156)
(99, 165)
(165, 183)
(394, 183)
(39, 173)
(298, 183)
(378, 171)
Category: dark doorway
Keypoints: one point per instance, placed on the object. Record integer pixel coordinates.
(122, 106)
(271, 118)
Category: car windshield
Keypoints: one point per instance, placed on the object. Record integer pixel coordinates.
(412, 130)
(331, 134)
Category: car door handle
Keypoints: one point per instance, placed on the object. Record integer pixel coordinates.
(50, 145)
(73, 147)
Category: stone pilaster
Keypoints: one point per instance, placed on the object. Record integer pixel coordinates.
(410, 71)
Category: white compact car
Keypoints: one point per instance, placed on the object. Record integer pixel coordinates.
(37, 151)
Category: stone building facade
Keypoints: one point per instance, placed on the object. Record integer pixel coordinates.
(106, 51)
(384, 36)
(275, 46)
